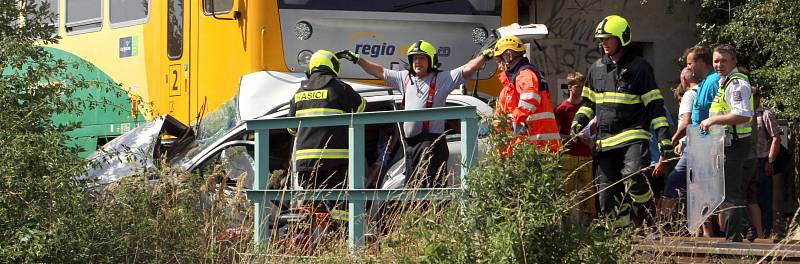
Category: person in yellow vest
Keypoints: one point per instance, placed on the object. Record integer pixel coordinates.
(733, 108)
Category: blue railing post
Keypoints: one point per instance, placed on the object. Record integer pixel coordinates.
(356, 215)
(261, 210)
(469, 144)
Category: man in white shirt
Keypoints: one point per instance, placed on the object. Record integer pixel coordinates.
(733, 108)
(423, 86)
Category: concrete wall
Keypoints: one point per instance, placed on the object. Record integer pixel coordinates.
(663, 28)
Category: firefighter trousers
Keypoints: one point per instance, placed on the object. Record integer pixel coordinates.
(325, 179)
(614, 165)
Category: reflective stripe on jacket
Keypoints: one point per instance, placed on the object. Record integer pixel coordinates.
(323, 148)
(528, 103)
(625, 99)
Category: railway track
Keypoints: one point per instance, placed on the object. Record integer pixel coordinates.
(716, 250)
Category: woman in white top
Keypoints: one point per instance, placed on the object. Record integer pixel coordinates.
(676, 181)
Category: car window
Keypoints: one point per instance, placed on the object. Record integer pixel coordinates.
(452, 127)
(382, 145)
(229, 165)
(212, 127)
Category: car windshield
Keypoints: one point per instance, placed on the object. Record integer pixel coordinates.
(211, 128)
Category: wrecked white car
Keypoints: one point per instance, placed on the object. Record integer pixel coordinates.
(220, 137)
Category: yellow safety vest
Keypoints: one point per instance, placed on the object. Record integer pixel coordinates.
(720, 107)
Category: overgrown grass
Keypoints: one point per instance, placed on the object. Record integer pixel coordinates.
(168, 216)
(514, 210)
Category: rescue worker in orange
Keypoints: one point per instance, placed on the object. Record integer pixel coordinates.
(525, 99)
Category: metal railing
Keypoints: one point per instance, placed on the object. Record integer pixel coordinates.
(355, 194)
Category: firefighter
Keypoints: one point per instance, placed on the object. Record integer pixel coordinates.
(423, 86)
(525, 97)
(321, 152)
(621, 92)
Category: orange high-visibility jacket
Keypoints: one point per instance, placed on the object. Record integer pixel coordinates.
(525, 103)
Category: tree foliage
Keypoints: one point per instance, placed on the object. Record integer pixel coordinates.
(765, 34)
(41, 204)
(47, 215)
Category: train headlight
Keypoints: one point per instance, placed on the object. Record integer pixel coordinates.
(479, 35)
(304, 57)
(303, 30)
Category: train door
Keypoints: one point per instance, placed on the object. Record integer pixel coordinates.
(176, 91)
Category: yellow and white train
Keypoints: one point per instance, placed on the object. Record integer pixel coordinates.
(186, 57)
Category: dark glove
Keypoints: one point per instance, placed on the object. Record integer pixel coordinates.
(488, 53)
(348, 55)
(665, 147)
(487, 50)
(575, 129)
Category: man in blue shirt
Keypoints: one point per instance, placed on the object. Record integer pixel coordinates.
(698, 58)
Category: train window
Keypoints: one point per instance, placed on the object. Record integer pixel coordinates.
(123, 13)
(52, 8)
(83, 16)
(219, 7)
(175, 29)
(12, 24)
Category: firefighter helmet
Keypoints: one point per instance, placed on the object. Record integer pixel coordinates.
(614, 26)
(323, 58)
(508, 43)
(425, 48)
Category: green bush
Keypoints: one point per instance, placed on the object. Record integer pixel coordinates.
(44, 211)
(514, 211)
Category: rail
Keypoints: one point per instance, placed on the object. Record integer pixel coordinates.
(355, 194)
(700, 249)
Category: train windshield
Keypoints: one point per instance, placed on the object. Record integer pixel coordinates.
(453, 7)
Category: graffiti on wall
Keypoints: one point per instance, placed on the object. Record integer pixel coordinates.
(571, 45)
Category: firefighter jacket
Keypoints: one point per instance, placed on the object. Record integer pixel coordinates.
(525, 99)
(626, 100)
(323, 148)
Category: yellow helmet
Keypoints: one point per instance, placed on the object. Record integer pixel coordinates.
(615, 26)
(425, 48)
(323, 58)
(508, 43)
